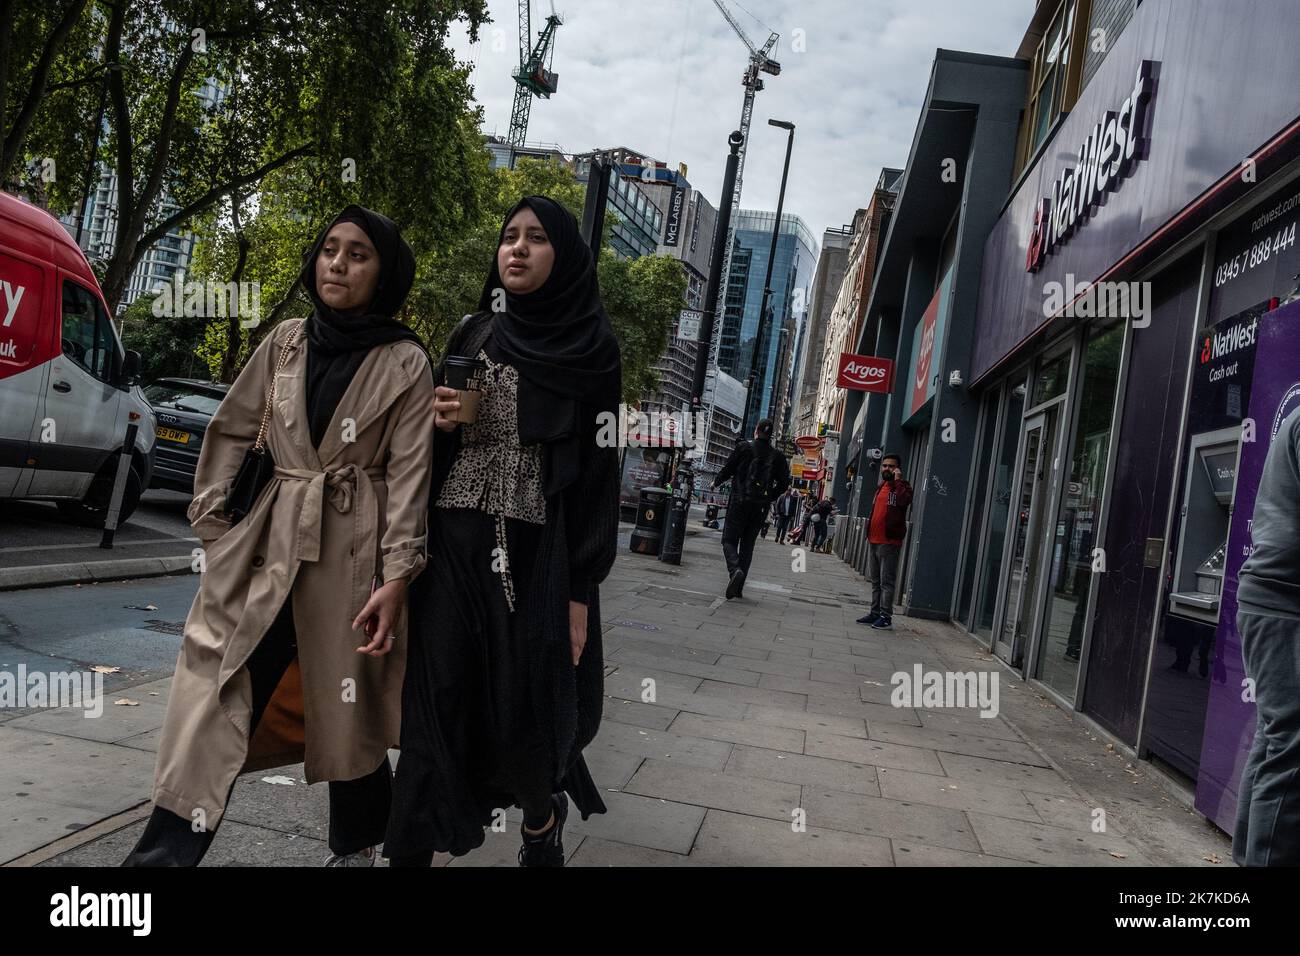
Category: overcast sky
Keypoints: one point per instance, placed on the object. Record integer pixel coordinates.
(664, 77)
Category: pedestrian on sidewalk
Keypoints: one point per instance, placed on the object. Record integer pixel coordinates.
(505, 682)
(787, 509)
(1268, 620)
(760, 474)
(885, 531)
(270, 671)
(824, 509)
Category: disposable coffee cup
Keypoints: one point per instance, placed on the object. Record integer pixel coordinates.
(465, 375)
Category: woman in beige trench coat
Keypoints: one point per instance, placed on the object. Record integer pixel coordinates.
(287, 653)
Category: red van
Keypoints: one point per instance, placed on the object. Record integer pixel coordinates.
(67, 387)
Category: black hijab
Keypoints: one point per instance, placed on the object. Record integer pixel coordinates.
(338, 343)
(558, 337)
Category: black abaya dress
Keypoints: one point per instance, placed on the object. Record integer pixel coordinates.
(494, 713)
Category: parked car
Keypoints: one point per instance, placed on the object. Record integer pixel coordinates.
(183, 408)
(67, 386)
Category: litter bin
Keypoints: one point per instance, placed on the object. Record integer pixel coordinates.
(678, 509)
(648, 535)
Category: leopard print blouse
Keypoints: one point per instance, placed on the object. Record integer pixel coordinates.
(492, 472)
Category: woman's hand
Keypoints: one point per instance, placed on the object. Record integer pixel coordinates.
(385, 605)
(577, 629)
(444, 403)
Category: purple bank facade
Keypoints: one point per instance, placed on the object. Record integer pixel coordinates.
(1132, 325)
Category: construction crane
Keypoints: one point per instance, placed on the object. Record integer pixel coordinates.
(534, 76)
(759, 63)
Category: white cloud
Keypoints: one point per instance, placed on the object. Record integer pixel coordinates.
(664, 77)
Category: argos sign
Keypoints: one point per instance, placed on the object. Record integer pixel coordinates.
(865, 373)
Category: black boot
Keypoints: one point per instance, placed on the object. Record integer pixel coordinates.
(546, 849)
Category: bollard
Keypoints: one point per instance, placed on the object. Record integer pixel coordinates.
(119, 487)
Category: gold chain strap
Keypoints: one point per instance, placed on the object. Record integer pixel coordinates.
(270, 395)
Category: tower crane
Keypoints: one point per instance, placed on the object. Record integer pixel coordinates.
(534, 76)
(752, 81)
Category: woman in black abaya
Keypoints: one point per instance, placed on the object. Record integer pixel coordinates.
(504, 682)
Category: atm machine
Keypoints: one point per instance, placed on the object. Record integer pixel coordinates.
(1211, 472)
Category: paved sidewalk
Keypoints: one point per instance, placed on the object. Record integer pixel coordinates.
(769, 740)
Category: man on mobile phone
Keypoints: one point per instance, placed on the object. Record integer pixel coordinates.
(885, 531)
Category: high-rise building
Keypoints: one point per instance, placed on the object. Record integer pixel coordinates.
(499, 152)
(682, 220)
(831, 265)
(792, 274)
(849, 304)
(99, 220)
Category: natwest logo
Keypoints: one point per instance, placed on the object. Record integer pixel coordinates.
(865, 373)
(1111, 151)
(1219, 344)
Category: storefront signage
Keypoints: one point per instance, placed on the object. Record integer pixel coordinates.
(673, 222)
(928, 338)
(1108, 155)
(1230, 719)
(810, 443)
(865, 373)
(1257, 257)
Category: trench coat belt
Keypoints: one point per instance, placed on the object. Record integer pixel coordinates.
(350, 490)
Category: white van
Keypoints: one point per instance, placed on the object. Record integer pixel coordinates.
(67, 387)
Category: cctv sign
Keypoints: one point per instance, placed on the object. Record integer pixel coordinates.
(865, 373)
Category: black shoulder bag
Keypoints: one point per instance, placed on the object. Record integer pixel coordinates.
(258, 466)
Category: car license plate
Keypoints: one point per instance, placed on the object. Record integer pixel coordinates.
(171, 434)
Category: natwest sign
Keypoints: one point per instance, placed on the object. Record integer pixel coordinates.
(1105, 158)
(865, 373)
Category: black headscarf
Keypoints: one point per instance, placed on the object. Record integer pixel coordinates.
(559, 337)
(338, 343)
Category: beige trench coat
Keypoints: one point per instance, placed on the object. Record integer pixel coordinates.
(330, 520)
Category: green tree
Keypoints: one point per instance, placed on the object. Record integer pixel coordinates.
(169, 348)
(362, 96)
(643, 298)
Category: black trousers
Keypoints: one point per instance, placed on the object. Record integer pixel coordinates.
(783, 527)
(744, 519)
(1268, 798)
(358, 808)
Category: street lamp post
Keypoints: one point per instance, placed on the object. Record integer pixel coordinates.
(752, 401)
(711, 291)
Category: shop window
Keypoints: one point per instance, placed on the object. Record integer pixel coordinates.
(973, 539)
(1002, 479)
(1054, 74)
(1052, 377)
(1075, 536)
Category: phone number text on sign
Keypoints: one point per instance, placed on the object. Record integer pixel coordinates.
(1256, 255)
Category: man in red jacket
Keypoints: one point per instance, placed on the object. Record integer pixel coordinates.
(885, 533)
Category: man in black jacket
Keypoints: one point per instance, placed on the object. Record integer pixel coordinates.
(760, 474)
(787, 509)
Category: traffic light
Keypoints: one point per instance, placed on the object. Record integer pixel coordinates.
(821, 429)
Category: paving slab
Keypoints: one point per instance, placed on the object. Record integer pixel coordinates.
(882, 817)
(803, 770)
(732, 839)
(712, 789)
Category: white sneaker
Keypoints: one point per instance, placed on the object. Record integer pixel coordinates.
(360, 858)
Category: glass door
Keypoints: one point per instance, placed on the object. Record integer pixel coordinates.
(1031, 494)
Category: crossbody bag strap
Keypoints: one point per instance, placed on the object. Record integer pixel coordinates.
(288, 345)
